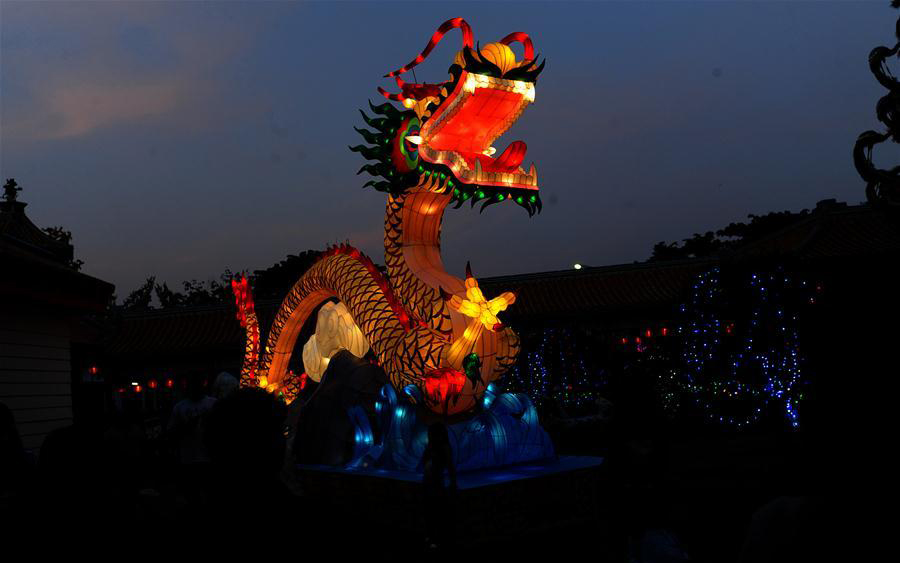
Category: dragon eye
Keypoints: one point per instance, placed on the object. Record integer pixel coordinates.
(412, 141)
(405, 148)
(412, 145)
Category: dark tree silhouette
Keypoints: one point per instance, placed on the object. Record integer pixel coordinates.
(211, 292)
(730, 237)
(140, 299)
(167, 298)
(760, 226)
(271, 283)
(275, 281)
(882, 186)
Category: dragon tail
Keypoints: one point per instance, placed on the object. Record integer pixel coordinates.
(246, 315)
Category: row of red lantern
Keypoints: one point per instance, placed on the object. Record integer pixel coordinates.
(647, 333)
(153, 384)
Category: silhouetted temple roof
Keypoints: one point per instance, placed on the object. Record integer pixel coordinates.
(550, 294)
(183, 329)
(831, 233)
(17, 228)
(36, 267)
(828, 236)
(565, 294)
(589, 292)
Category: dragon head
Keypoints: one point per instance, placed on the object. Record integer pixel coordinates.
(448, 129)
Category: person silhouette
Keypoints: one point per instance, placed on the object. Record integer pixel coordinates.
(185, 433)
(244, 436)
(224, 385)
(437, 459)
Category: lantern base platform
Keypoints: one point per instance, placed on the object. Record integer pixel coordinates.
(469, 479)
(501, 502)
(503, 431)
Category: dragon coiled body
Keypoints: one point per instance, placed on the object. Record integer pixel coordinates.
(425, 327)
(343, 274)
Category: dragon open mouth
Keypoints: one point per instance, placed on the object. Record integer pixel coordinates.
(478, 111)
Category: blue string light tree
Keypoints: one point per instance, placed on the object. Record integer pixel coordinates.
(531, 376)
(576, 388)
(739, 359)
(554, 368)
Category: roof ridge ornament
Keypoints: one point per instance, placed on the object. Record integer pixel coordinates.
(11, 190)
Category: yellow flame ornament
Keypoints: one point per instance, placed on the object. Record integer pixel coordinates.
(477, 307)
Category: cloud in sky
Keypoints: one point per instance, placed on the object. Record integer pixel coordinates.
(72, 68)
(78, 109)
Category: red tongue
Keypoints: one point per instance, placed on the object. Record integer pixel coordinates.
(512, 157)
(509, 161)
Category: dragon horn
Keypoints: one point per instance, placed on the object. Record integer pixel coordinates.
(388, 95)
(469, 270)
(460, 23)
(521, 37)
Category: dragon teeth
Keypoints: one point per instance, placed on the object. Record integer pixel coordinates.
(478, 174)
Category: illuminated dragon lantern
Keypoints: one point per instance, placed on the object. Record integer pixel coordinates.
(426, 328)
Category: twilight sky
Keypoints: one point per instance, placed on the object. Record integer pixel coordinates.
(182, 138)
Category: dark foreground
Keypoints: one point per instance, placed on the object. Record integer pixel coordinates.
(712, 498)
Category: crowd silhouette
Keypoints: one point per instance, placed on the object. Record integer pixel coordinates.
(224, 460)
(219, 460)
